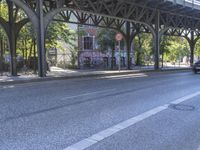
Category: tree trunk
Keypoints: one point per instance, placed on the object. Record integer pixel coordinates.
(162, 60)
(34, 51)
(23, 52)
(26, 49)
(30, 54)
(138, 61)
(1, 56)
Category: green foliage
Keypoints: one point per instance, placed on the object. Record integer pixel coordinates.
(25, 39)
(2, 33)
(172, 49)
(4, 13)
(106, 38)
(197, 49)
(4, 10)
(143, 48)
(59, 31)
(176, 49)
(165, 43)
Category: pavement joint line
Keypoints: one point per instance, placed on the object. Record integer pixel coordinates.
(86, 94)
(7, 87)
(98, 137)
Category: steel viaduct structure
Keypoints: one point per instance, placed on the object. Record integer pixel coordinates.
(130, 17)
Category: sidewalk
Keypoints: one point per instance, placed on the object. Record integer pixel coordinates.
(58, 74)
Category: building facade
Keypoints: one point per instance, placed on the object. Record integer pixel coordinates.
(90, 55)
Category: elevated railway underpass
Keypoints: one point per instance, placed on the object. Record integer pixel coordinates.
(130, 17)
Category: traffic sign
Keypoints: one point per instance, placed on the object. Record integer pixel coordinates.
(118, 37)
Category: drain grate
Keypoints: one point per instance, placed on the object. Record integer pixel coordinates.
(182, 107)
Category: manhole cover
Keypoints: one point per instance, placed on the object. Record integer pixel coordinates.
(182, 107)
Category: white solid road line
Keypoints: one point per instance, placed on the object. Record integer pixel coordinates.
(180, 100)
(86, 94)
(198, 148)
(86, 143)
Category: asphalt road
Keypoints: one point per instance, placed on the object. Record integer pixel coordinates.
(145, 111)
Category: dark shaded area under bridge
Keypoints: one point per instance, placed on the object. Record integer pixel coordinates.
(158, 17)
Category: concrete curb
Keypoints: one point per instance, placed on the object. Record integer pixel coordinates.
(90, 75)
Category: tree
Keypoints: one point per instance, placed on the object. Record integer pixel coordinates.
(4, 10)
(106, 38)
(178, 48)
(197, 49)
(59, 33)
(143, 48)
(165, 43)
(106, 41)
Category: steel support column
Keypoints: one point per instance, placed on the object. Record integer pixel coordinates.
(12, 40)
(157, 42)
(192, 44)
(128, 44)
(41, 40)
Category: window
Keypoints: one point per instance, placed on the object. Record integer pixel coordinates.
(88, 43)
